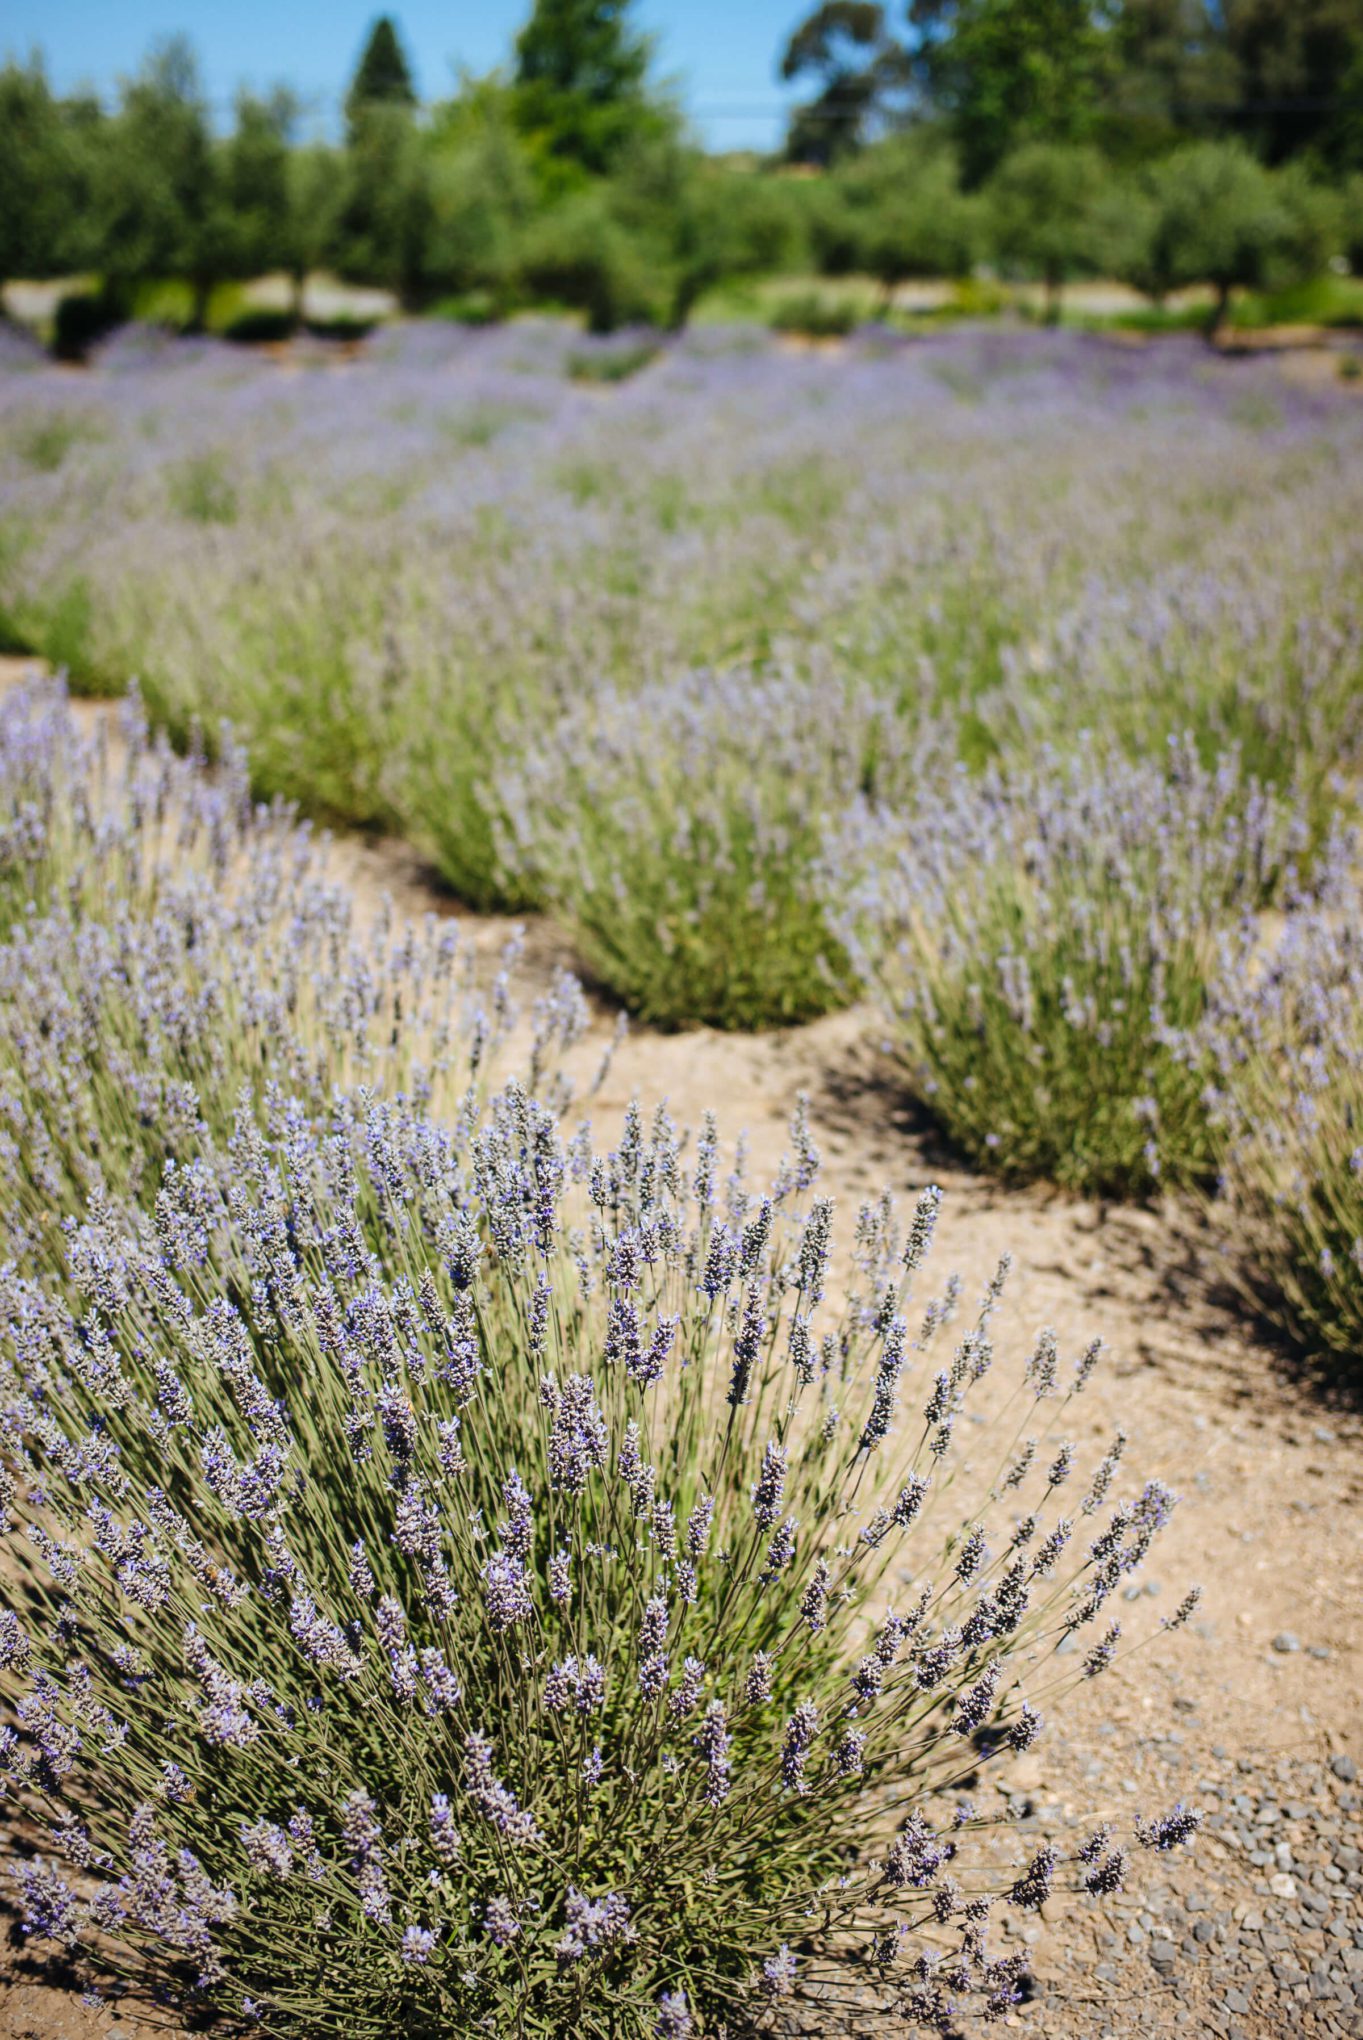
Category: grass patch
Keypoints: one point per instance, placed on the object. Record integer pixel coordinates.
(611, 365)
(201, 490)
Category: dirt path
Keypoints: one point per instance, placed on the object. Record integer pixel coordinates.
(1255, 1717)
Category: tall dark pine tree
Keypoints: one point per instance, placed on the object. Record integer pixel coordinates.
(383, 76)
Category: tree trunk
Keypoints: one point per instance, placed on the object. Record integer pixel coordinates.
(1220, 312)
(198, 313)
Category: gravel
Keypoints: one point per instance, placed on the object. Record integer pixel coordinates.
(1214, 1939)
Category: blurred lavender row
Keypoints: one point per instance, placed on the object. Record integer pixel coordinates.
(397, 573)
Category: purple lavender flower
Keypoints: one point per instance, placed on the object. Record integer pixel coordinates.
(444, 1834)
(779, 1973)
(500, 1922)
(1033, 1888)
(801, 1730)
(1169, 1830)
(506, 1592)
(594, 1925)
(674, 2020)
(491, 1798)
(769, 1490)
(714, 1742)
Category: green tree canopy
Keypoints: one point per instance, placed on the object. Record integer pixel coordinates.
(47, 170)
(383, 223)
(581, 82)
(482, 191)
(316, 195)
(1169, 75)
(256, 184)
(1006, 72)
(1045, 204)
(1299, 66)
(1215, 215)
(162, 206)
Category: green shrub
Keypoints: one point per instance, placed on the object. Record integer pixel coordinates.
(813, 316)
(350, 327)
(81, 320)
(259, 327)
(611, 365)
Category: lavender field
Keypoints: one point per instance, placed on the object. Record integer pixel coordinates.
(485, 1551)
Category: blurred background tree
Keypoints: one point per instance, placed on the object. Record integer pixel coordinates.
(1046, 212)
(383, 77)
(1005, 72)
(1215, 215)
(581, 84)
(1299, 71)
(161, 209)
(256, 188)
(862, 73)
(48, 174)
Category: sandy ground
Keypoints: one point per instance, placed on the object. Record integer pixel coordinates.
(1270, 1475)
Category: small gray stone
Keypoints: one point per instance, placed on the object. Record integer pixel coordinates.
(1286, 1643)
(1344, 1767)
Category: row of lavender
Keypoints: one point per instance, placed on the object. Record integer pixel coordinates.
(401, 574)
(1013, 677)
(459, 1577)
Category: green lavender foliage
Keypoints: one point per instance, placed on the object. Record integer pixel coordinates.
(1287, 1041)
(1042, 945)
(678, 832)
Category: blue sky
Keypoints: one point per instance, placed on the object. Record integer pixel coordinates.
(723, 52)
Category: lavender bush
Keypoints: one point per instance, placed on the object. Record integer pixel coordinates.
(174, 943)
(449, 1588)
(677, 832)
(1041, 946)
(1288, 1039)
(460, 1577)
(1264, 657)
